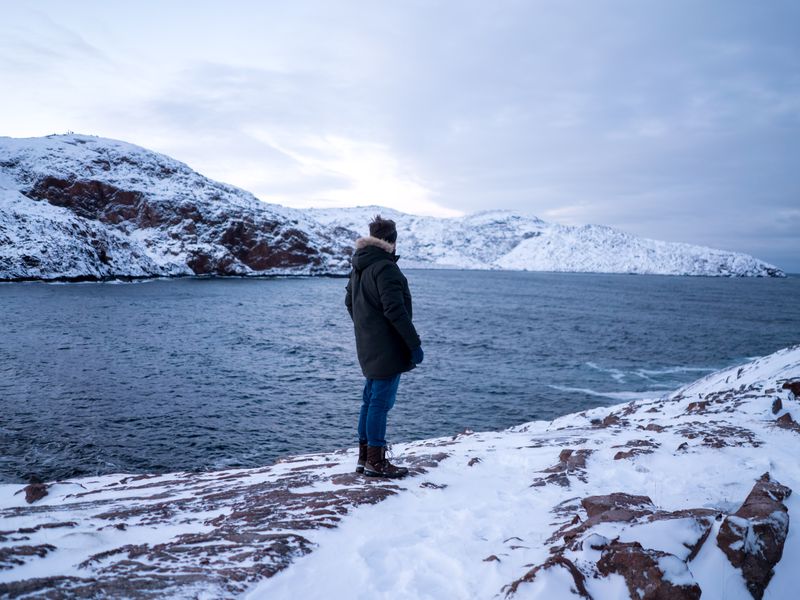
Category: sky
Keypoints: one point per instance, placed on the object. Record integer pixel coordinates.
(675, 119)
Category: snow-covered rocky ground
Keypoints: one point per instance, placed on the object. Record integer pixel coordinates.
(661, 498)
(82, 207)
(500, 239)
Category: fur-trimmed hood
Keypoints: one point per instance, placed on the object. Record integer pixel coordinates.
(370, 250)
(368, 240)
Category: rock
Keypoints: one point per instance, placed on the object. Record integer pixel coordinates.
(637, 448)
(554, 562)
(777, 406)
(787, 422)
(473, 461)
(753, 537)
(15, 556)
(34, 492)
(617, 507)
(570, 462)
(793, 387)
(649, 574)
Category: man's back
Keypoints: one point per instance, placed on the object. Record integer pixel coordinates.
(379, 302)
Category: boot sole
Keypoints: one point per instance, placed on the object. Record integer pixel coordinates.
(369, 473)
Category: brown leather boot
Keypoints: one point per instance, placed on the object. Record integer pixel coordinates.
(362, 456)
(379, 466)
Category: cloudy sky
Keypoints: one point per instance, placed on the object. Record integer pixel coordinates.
(673, 119)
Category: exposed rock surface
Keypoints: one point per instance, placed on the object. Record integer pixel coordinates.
(753, 537)
(210, 534)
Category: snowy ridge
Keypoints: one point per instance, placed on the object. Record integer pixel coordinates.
(82, 207)
(670, 497)
(105, 208)
(504, 240)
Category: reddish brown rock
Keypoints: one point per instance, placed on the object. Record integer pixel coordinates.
(753, 537)
(793, 387)
(635, 448)
(570, 462)
(34, 492)
(238, 242)
(617, 506)
(15, 556)
(642, 570)
(554, 562)
(787, 422)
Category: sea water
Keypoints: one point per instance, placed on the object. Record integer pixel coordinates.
(197, 374)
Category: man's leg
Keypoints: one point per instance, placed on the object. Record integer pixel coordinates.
(383, 394)
(362, 426)
(382, 399)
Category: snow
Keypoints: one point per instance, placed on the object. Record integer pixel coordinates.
(504, 240)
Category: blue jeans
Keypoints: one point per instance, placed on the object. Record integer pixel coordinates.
(378, 399)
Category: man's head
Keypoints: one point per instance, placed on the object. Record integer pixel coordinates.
(384, 229)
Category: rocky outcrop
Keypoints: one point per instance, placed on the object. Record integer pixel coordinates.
(753, 537)
(212, 534)
(570, 463)
(648, 574)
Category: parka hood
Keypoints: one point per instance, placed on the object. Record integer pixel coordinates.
(370, 250)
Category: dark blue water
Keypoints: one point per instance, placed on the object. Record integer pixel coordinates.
(203, 374)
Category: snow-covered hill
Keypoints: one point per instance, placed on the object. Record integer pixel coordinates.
(82, 207)
(74, 206)
(661, 498)
(505, 240)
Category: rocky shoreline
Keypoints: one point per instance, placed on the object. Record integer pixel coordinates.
(670, 497)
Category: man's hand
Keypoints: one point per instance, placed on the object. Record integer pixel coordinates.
(417, 355)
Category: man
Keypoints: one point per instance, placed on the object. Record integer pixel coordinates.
(379, 302)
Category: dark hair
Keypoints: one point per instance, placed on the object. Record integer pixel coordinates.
(384, 229)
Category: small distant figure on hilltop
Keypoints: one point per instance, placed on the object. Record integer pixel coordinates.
(379, 302)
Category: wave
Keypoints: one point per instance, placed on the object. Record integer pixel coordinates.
(650, 394)
(620, 376)
(616, 374)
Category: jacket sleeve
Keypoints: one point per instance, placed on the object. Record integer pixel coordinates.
(390, 289)
(348, 298)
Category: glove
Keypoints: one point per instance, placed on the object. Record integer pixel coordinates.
(417, 355)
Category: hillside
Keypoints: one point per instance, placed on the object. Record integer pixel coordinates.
(82, 207)
(504, 240)
(78, 207)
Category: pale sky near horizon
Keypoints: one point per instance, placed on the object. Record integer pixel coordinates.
(677, 120)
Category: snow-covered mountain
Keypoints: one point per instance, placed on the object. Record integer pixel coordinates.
(83, 207)
(664, 498)
(504, 240)
(74, 206)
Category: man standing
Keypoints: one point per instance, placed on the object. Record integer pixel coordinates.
(379, 302)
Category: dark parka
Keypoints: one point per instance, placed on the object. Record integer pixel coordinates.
(379, 302)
